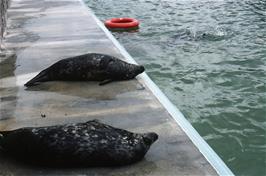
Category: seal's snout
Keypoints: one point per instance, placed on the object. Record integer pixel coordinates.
(141, 69)
(133, 71)
(150, 138)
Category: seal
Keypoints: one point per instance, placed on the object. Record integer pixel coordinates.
(88, 67)
(82, 144)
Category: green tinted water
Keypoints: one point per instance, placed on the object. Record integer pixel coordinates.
(209, 58)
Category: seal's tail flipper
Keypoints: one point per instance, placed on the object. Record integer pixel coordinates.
(41, 77)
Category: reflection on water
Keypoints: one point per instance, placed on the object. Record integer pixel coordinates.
(209, 57)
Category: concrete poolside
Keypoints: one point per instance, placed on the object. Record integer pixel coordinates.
(43, 32)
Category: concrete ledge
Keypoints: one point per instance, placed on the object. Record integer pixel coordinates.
(45, 31)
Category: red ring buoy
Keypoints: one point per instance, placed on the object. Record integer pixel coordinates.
(122, 23)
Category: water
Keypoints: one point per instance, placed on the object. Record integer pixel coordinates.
(209, 58)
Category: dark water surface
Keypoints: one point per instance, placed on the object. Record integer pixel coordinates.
(209, 58)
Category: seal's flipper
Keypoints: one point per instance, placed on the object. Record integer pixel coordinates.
(1, 141)
(1, 138)
(41, 77)
(105, 82)
(2, 135)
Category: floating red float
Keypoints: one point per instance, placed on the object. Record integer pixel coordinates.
(122, 23)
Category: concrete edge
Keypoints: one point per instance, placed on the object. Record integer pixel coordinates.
(217, 163)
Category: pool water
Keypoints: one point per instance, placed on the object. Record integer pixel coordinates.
(209, 58)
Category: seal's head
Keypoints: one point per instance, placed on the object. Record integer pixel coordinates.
(149, 138)
(120, 70)
(133, 71)
(145, 142)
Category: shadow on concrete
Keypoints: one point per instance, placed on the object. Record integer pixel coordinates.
(29, 168)
(88, 89)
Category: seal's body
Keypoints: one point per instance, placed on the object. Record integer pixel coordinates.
(88, 67)
(87, 144)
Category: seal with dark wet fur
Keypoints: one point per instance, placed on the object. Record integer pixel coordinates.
(88, 67)
(84, 144)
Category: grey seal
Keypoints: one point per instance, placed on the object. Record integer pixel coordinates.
(84, 144)
(88, 67)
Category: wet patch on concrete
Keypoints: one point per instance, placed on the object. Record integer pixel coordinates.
(8, 101)
(10, 98)
(7, 65)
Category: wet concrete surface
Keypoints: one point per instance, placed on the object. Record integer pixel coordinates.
(43, 32)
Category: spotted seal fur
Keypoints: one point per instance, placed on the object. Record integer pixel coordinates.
(84, 144)
(88, 67)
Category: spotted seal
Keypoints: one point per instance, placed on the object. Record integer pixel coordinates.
(84, 144)
(88, 67)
